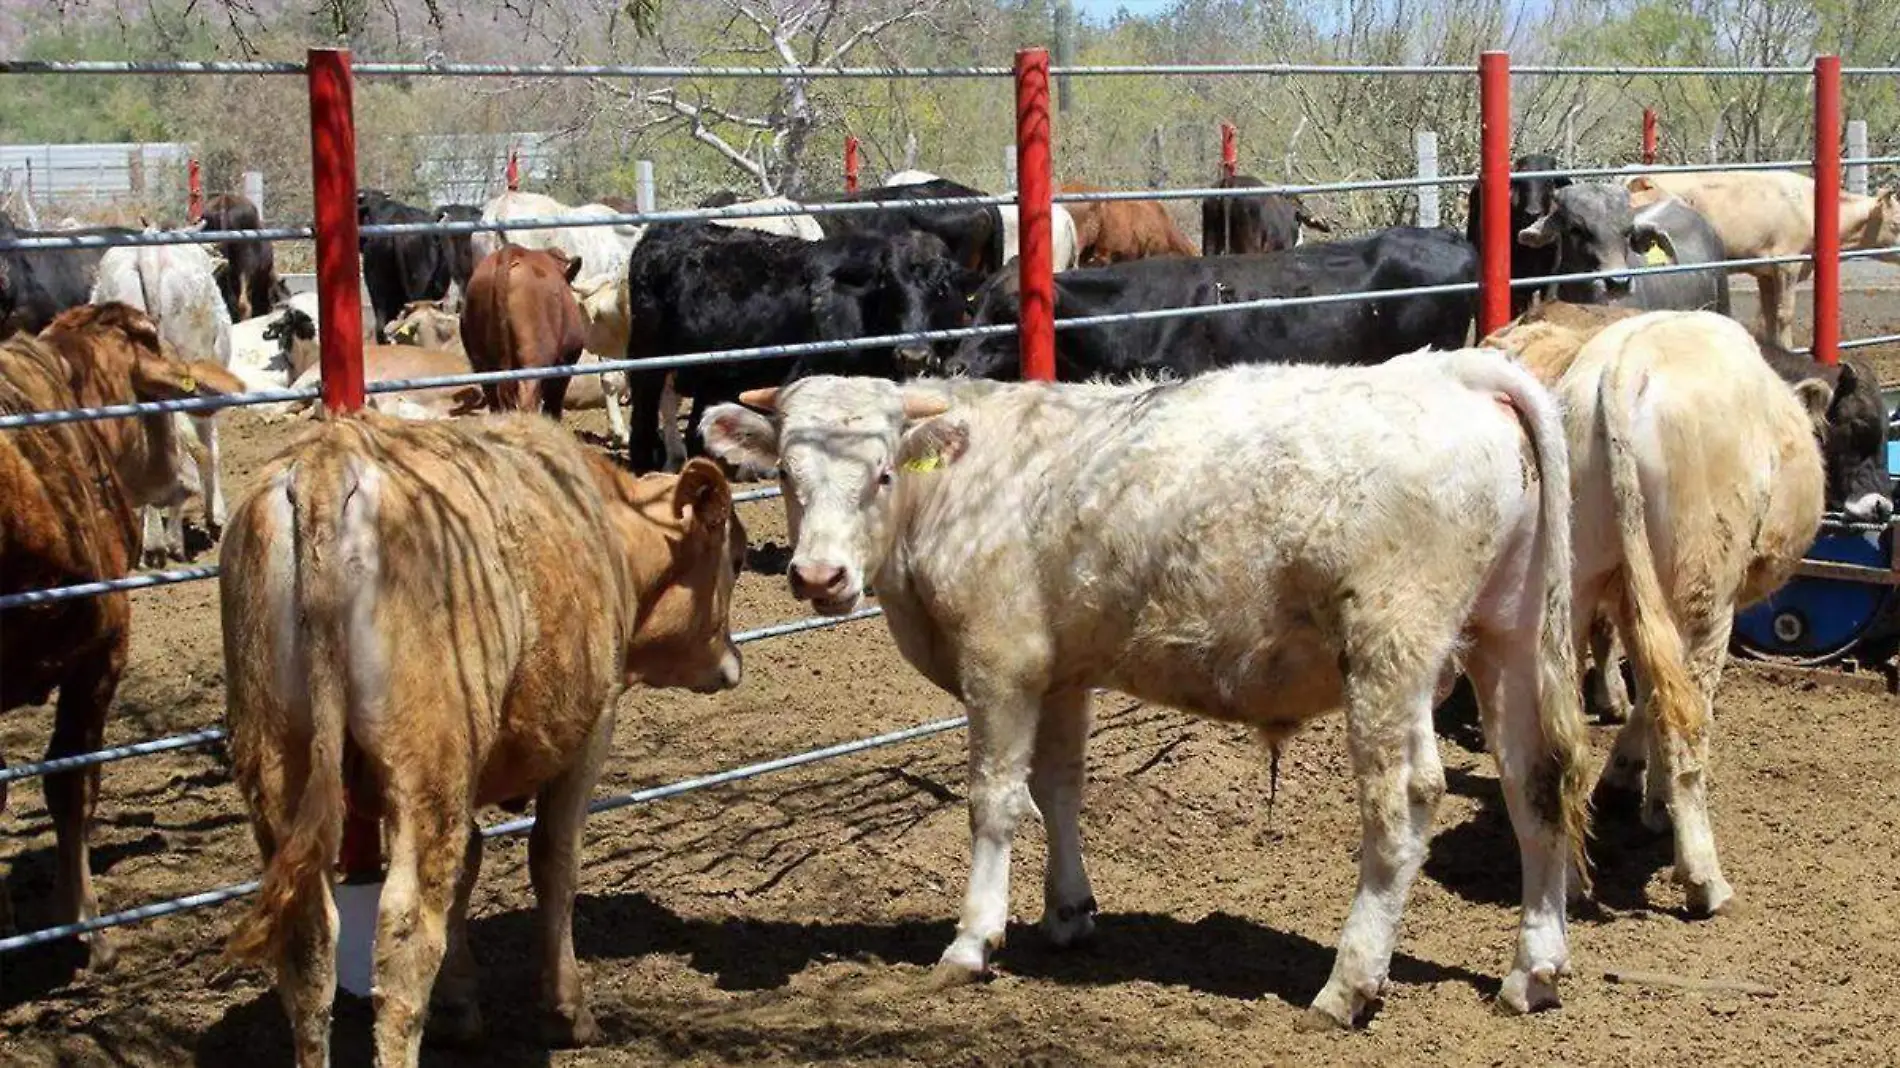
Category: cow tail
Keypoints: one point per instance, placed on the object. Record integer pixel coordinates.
(1676, 709)
(297, 875)
(1561, 775)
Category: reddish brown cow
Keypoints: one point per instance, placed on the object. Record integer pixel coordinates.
(1109, 231)
(521, 313)
(69, 493)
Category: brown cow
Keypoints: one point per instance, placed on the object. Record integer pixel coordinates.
(1110, 231)
(520, 313)
(423, 618)
(70, 493)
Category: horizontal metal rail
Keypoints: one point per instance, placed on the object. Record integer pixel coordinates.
(69, 242)
(100, 66)
(1666, 72)
(765, 494)
(227, 893)
(627, 70)
(187, 405)
(736, 211)
(1871, 253)
(200, 738)
(1841, 522)
(1243, 69)
(1633, 170)
(1851, 161)
(144, 580)
(1235, 192)
(1868, 342)
(193, 740)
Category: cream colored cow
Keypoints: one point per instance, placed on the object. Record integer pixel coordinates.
(1771, 213)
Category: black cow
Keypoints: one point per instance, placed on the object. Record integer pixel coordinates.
(38, 284)
(399, 268)
(695, 287)
(1348, 333)
(248, 280)
(1530, 199)
(1267, 222)
(1590, 226)
(974, 234)
(461, 246)
(1854, 446)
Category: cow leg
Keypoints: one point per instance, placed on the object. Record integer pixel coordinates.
(1401, 778)
(1784, 304)
(1604, 694)
(1504, 675)
(154, 537)
(1056, 775)
(79, 726)
(670, 432)
(616, 421)
(1002, 739)
(554, 847)
(456, 1014)
(1685, 761)
(207, 461)
(427, 830)
(306, 974)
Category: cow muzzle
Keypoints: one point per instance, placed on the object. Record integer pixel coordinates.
(1869, 508)
(727, 676)
(828, 587)
(914, 359)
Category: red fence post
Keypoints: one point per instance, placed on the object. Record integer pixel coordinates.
(333, 188)
(1036, 322)
(514, 171)
(1229, 150)
(1494, 185)
(1649, 136)
(850, 164)
(194, 191)
(1827, 208)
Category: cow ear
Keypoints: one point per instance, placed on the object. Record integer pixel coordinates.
(1815, 396)
(933, 445)
(573, 268)
(1539, 234)
(740, 436)
(702, 496)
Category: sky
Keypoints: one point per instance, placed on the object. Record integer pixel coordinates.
(1103, 10)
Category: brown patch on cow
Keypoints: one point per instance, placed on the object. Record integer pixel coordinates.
(1114, 231)
(520, 312)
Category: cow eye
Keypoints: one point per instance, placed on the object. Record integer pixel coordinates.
(884, 477)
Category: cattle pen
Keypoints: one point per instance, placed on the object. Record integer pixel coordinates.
(335, 231)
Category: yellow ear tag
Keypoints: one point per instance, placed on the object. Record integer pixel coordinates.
(1657, 256)
(922, 464)
(188, 384)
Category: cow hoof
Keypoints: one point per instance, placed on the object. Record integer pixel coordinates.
(1070, 925)
(102, 953)
(948, 975)
(456, 1023)
(1712, 898)
(571, 1027)
(1334, 1009)
(1525, 992)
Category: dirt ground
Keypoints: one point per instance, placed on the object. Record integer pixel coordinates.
(792, 918)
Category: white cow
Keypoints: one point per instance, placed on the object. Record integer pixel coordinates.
(602, 249)
(1257, 544)
(260, 354)
(801, 226)
(177, 286)
(1062, 224)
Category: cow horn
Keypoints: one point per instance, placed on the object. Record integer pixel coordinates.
(918, 406)
(766, 399)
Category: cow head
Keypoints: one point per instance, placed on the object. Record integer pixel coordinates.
(681, 635)
(1854, 444)
(1593, 228)
(905, 284)
(839, 444)
(1532, 197)
(296, 335)
(994, 356)
(1882, 228)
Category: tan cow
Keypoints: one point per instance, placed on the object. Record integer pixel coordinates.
(1697, 485)
(422, 619)
(388, 363)
(68, 495)
(1771, 213)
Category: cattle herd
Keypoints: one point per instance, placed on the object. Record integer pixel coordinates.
(1257, 515)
